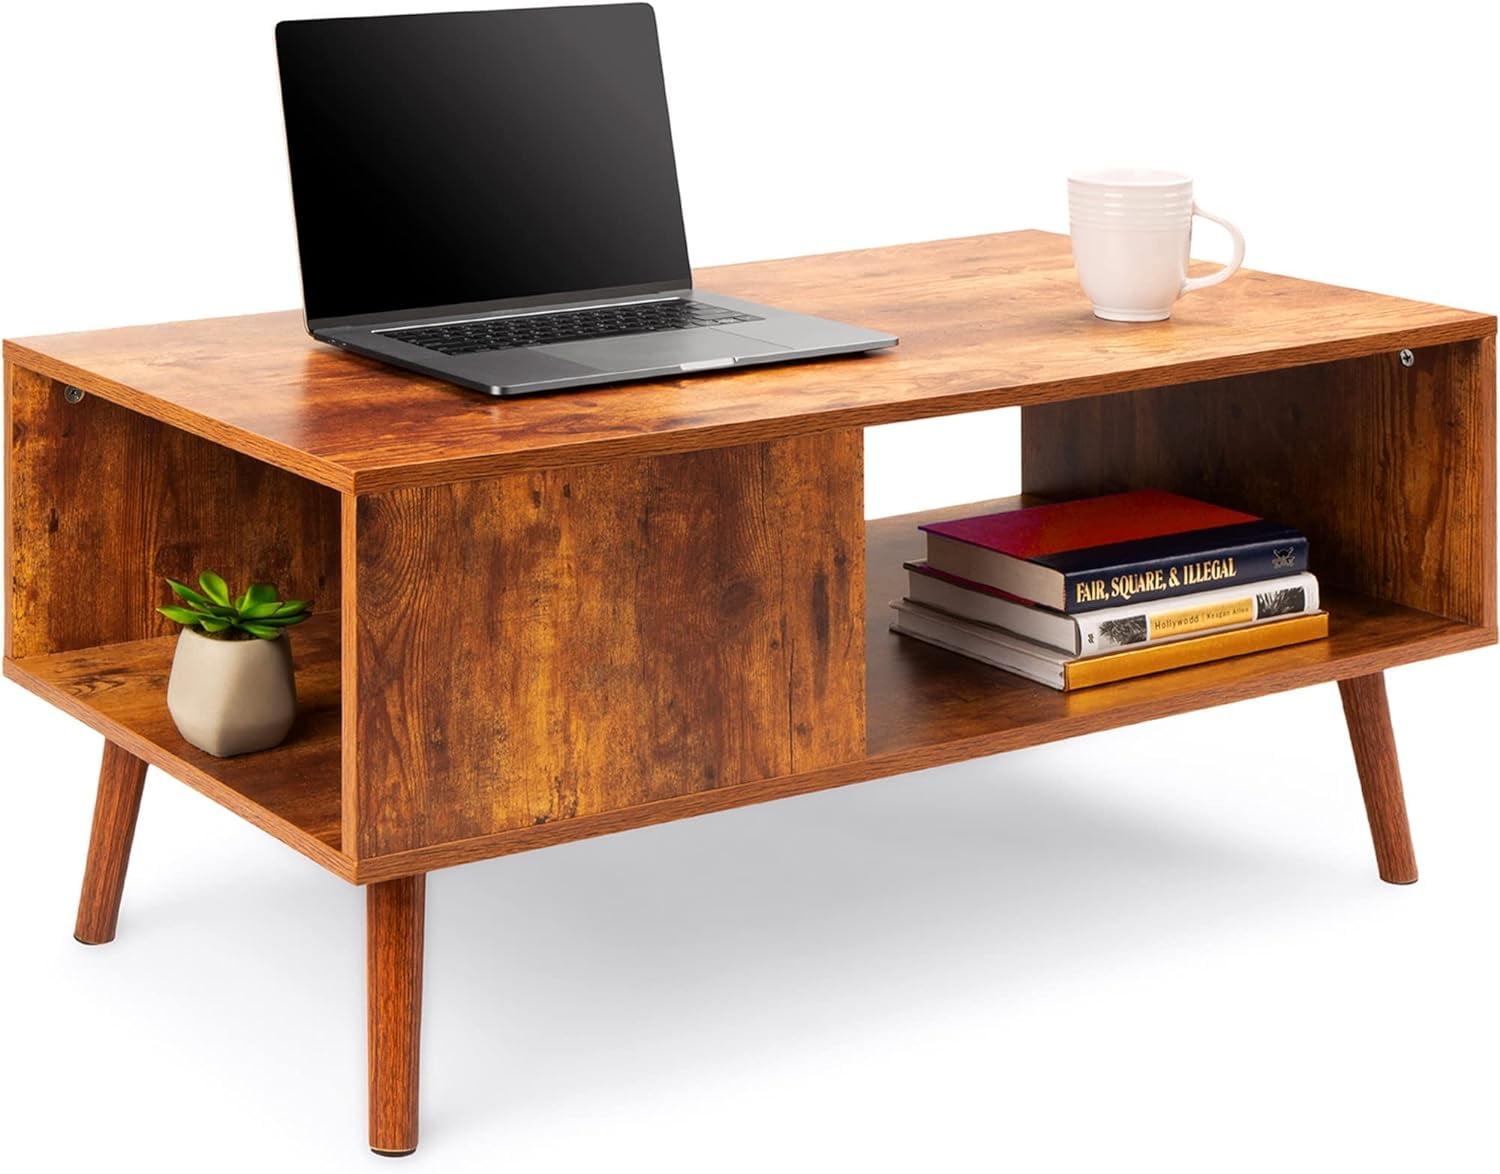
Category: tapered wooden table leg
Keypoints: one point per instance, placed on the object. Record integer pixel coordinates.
(1369, 718)
(394, 913)
(122, 778)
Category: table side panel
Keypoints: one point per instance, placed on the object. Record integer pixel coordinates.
(1389, 470)
(544, 646)
(102, 503)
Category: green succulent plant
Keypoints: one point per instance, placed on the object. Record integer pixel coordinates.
(256, 614)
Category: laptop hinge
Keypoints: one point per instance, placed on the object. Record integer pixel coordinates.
(396, 319)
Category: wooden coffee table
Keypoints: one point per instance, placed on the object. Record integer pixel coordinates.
(561, 616)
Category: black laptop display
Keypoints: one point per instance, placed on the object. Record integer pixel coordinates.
(491, 197)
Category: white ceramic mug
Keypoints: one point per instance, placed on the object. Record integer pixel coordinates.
(1131, 231)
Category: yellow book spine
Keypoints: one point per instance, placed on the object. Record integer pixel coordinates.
(1138, 662)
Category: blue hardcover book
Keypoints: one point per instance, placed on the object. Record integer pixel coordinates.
(1100, 552)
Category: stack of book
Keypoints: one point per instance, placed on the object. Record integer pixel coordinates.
(1086, 592)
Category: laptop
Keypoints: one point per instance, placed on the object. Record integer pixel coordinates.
(491, 198)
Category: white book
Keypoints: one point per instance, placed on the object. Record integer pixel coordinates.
(1035, 662)
(1093, 633)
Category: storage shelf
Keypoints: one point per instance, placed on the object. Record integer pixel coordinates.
(291, 791)
(927, 706)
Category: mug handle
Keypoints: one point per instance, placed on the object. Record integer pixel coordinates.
(1230, 269)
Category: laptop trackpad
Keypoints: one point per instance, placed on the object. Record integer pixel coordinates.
(651, 352)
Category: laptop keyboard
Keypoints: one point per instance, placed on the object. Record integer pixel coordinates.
(498, 334)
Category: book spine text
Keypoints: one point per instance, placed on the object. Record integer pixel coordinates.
(1173, 618)
(1162, 578)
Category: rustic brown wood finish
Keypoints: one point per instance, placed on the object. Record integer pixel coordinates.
(564, 616)
(395, 916)
(292, 792)
(111, 499)
(1374, 742)
(122, 779)
(1389, 470)
(604, 636)
(984, 322)
(924, 708)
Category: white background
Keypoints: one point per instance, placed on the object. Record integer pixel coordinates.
(1163, 948)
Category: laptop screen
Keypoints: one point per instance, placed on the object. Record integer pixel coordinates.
(471, 157)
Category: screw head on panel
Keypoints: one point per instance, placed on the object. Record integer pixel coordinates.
(72, 394)
(1407, 358)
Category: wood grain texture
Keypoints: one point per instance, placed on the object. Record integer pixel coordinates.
(103, 503)
(122, 779)
(1368, 714)
(395, 916)
(544, 646)
(291, 791)
(1389, 470)
(348, 669)
(984, 322)
(926, 707)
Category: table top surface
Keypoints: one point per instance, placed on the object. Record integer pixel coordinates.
(984, 322)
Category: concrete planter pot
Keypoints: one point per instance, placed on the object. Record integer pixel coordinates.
(232, 696)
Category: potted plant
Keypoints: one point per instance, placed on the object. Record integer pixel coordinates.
(232, 689)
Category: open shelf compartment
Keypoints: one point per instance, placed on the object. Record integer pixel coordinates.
(104, 502)
(926, 706)
(291, 791)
